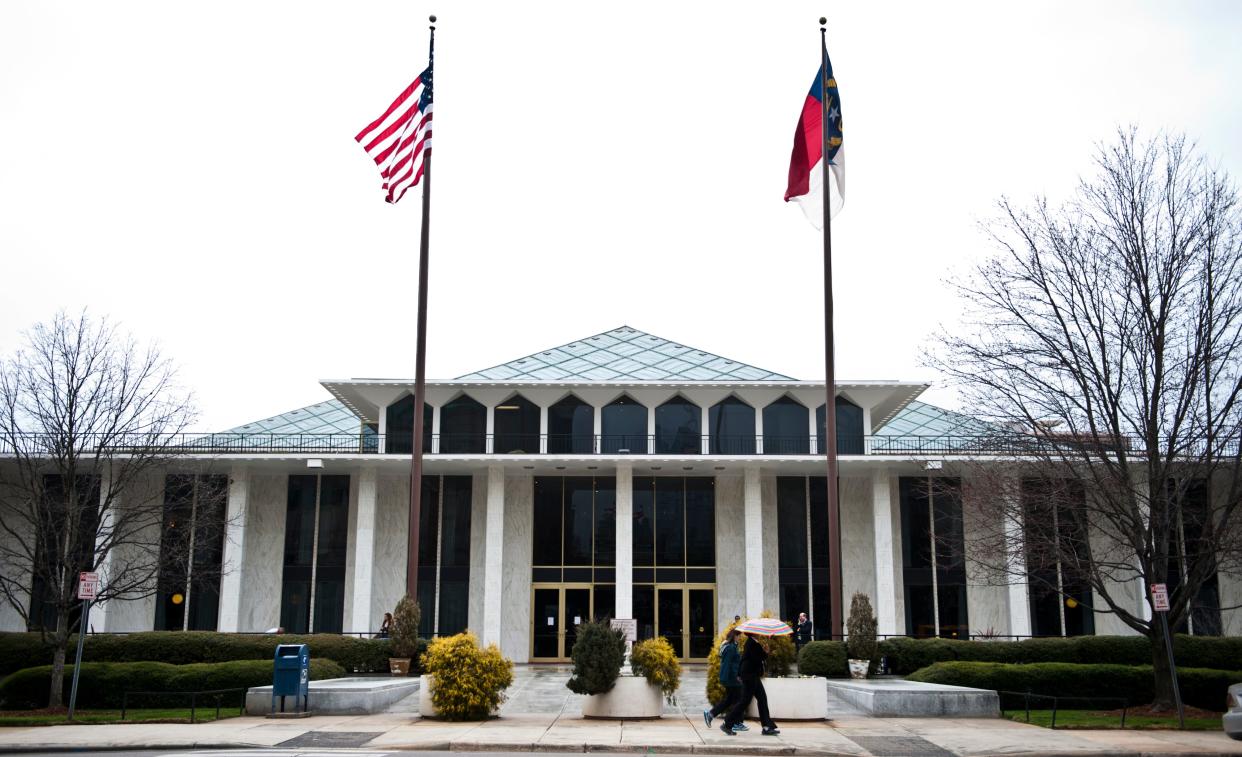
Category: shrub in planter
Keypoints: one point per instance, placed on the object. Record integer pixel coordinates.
(102, 684)
(861, 628)
(598, 654)
(781, 652)
(469, 682)
(823, 658)
(404, 633)
(655, 660)
(1201, 687)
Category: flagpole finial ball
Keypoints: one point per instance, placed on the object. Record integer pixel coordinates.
(823, 21)
(432, 19)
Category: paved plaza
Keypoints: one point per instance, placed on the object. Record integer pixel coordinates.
(541, 715)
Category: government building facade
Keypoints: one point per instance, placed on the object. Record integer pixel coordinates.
(620, 475)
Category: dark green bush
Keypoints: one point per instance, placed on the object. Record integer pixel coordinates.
(823, 658)
(102, 684)
(598, 654)
(1201, 687)
(908, 655)
(355, 655)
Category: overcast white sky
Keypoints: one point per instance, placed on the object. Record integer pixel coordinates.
(189, 169)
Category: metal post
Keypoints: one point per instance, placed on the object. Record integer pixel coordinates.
(83, 624)
(1177, 689)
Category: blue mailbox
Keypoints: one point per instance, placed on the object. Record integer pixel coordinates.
(291, 676)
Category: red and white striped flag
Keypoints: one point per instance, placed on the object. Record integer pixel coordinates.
(400, 140)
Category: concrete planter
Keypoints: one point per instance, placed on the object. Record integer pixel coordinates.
(794, 699)
(425, 708)
(858, 668)
(399, 666)
(631, 698)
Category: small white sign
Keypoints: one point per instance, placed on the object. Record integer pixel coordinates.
(551, 621)
(88, 585)
(628, 627)
(577, 620)
(1160, 597)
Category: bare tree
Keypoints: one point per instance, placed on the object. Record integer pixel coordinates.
(1104, 337)
(88, 423)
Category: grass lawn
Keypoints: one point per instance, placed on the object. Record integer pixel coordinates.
(1097, 719)
(20, 718)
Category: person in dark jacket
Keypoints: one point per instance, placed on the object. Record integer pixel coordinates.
(803, 631)
(750, 670)
(730, 664)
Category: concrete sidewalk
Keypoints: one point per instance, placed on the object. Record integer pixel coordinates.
(554, 732)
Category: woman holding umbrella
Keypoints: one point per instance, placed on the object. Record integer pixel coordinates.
(751, 672)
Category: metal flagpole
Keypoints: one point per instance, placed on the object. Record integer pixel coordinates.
(830, 408)
(416, 460)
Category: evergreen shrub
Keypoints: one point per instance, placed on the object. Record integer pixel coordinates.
(405, 620)
(598, 654)
(861, 628)
(824, 658)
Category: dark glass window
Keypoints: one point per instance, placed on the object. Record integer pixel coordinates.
(850, 434)
(670, 523)
(516, 427)
(644, 521)
(50, 530)
(793, 578)
(428, 517)
(1054, 515)
(571, 427)
(454, 599)
(463, 426)
(1194, 506)
(400, 426)
(330, 555)
(315, 502)
(299, 554)
(575, 521)
(785, 426)
(731, 425)
(934, 569)
(188, 593)
(700, 521)
(624, 427)
(677, 427)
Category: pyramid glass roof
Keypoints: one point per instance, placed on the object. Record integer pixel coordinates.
(329, 417)
(623, 354)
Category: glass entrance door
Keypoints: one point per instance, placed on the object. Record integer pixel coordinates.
(556, 612)
(684, 614)
(669, 617)
(701, 621)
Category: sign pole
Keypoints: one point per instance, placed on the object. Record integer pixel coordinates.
(77, 659)
(1160, 603)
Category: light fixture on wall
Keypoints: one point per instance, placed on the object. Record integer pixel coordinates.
(508, 407)
(314, 462)
(933, 465)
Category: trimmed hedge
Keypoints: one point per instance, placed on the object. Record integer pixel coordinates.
(824, 658)
(102, 684)
(1200, 687)
(907, 655)
(355, 655)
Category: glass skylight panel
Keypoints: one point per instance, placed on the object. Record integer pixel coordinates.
(673, 366)
(625, 365)
(602, 374)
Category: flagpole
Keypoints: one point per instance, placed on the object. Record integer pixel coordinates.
(830, 407)
(420, 361)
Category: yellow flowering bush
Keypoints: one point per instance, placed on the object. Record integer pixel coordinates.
(655, 660)
(468, 682)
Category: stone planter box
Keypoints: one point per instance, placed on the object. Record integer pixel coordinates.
(631, 698)
(425, 708)
(794, 699)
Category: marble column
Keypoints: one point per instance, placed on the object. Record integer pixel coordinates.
(493, 566)
(1019, 607)
(752, 514)
(364, 553)
(234, 550)
(625, 542)
(886, 555)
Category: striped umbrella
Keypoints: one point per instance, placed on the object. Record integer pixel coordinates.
(765, 627)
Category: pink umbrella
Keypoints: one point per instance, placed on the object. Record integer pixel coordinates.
(765, 627)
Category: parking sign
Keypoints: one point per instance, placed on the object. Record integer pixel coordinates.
(1160, 597)
(88, 585)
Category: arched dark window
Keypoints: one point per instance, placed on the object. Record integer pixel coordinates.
(400, 430)
(850, 435)
(677, 427)
(785, 426)
(463, 426)
(571, 427)
(731, 423)
(624, 430)
(517, 427)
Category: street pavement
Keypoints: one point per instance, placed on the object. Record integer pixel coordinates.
(541, 715)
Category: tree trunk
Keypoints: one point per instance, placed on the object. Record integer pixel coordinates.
(56, 693)
(1163, 684)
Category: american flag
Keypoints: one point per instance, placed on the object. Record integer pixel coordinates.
(400, 140)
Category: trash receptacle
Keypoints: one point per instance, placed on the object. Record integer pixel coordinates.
(291, 677)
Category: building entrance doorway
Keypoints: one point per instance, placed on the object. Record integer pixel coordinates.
(556, 611)
(685, 614)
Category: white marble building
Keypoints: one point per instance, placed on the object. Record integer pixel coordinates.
(619, 475)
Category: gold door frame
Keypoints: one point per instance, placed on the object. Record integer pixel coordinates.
(561, 627)
(683, 654)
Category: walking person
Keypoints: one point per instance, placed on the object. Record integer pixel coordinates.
(730, 666)
(803, 631)
(750, 671)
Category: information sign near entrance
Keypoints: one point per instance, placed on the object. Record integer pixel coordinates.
(1160, 604)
